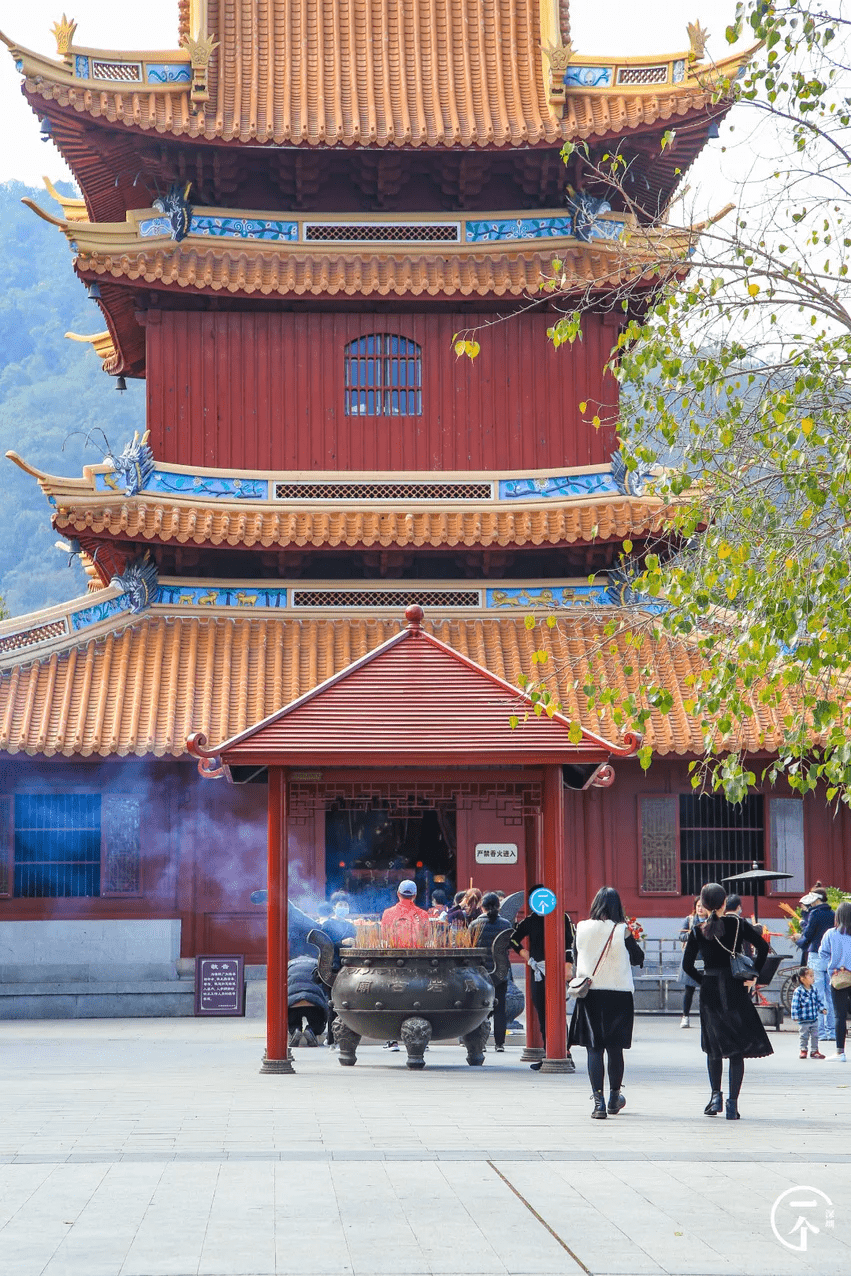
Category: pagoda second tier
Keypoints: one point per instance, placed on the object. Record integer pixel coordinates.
(349, 525)
(256, 88)
(266, 259)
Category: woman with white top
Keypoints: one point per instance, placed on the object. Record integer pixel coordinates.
(836, 948)
(602, 1021)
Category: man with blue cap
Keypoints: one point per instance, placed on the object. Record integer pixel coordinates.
(410, 924)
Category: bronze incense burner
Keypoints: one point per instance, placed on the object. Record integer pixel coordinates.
(413, 995)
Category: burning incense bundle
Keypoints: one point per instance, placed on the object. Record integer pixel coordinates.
(412, 934)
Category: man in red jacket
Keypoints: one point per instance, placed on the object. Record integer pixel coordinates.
(409, 922)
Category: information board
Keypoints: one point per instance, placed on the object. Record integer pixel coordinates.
(220, 985)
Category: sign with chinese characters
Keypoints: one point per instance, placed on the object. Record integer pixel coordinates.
(496, 853)
(220, 985)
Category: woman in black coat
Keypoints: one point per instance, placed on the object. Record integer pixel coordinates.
(484, 931)
(730, 1027)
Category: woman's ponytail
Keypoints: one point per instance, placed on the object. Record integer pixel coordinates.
(713, 897)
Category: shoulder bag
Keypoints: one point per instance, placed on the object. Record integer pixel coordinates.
(580, 986)
(741, 967)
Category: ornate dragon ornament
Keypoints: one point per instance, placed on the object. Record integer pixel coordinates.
(63, 33)
(139, 582)
(697, 38)
(175, 206)
(630, 482)
(132, 469)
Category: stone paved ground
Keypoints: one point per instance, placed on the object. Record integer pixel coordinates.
(155, 1148)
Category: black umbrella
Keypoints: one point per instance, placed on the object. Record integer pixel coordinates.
(756, 875)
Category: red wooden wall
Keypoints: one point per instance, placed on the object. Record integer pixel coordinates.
(204, 847)
(265, 390)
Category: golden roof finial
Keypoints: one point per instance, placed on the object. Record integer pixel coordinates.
(558, 56)
(697, 37)
(200, 50)
(64, 33)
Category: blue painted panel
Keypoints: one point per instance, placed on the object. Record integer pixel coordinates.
(547, 596)
(588, 77)
(168, 72)
(155, 226)
(679, 71)
(81, 67)
(218, 596)
(557, 485)
(174, 484)
(100, 611)
(244, 228)
(518, 228)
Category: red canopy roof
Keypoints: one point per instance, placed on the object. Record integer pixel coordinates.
(412, 701)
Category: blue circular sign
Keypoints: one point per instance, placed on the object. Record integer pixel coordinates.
(542, 901)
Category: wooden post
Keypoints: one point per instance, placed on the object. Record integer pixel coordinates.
(554, 877)
(534, 1050)
(277, 1058)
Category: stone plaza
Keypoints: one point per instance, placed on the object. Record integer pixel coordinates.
(155, 1148)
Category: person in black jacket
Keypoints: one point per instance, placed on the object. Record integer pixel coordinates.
(730, 1027)
(306, 1000)
(532, 930)
(484, 931)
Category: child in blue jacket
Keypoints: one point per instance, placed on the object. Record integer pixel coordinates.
(807, 1005)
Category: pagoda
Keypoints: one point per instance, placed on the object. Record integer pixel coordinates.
(286, 221)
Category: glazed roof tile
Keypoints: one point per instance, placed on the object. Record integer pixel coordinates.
(143, 688)
(437, 73)
(153, 519)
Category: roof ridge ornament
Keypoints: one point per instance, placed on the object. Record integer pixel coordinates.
(558, 59)
(63, 33)
(131, 470)
(697, 38)
(139, 582)
(414, 616)
(200, 51)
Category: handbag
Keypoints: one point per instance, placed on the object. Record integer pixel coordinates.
(840, 979)
(579, 987)
(741, 967)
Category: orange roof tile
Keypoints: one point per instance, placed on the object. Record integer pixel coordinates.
(143, 688)
(159, 519)
(437, 73)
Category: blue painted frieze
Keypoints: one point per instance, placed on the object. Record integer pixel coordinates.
(244, 228)
(168, 72)
(588, 77)
(172, 483)
(524, 489)
(219, 596)
(100, 611)
(518, 228)
(81, 66)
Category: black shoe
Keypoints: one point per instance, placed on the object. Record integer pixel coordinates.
(308, 1038)
(713, 1107)
(294, 1038)
(731, 1110)
(616, 1102)
(500, 1049)
(599, 1113)
(536, 1067)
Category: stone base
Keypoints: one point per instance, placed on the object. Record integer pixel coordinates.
(558, 1065)
(98, 999)
(276, 1066)
(531, 1054)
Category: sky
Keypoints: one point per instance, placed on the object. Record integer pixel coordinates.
(654, 28)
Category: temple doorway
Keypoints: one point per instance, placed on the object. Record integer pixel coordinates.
(369, 851)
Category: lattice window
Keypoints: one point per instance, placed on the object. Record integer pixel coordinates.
(786, 824)
(57, 845)
(30, 637)
(385, 597)
(510, 800)
(643, 74)
(121, 873)
(386, 232)
(383, 491)
(659, 845)
(383, 376)
(719, 839)
(121, 72)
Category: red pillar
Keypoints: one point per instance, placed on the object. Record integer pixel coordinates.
(534, 873)
(554, 878)
(277, 1054)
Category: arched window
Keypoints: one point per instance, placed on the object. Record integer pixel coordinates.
(384, 376)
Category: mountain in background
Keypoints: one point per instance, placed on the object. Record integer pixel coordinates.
(53, 392)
